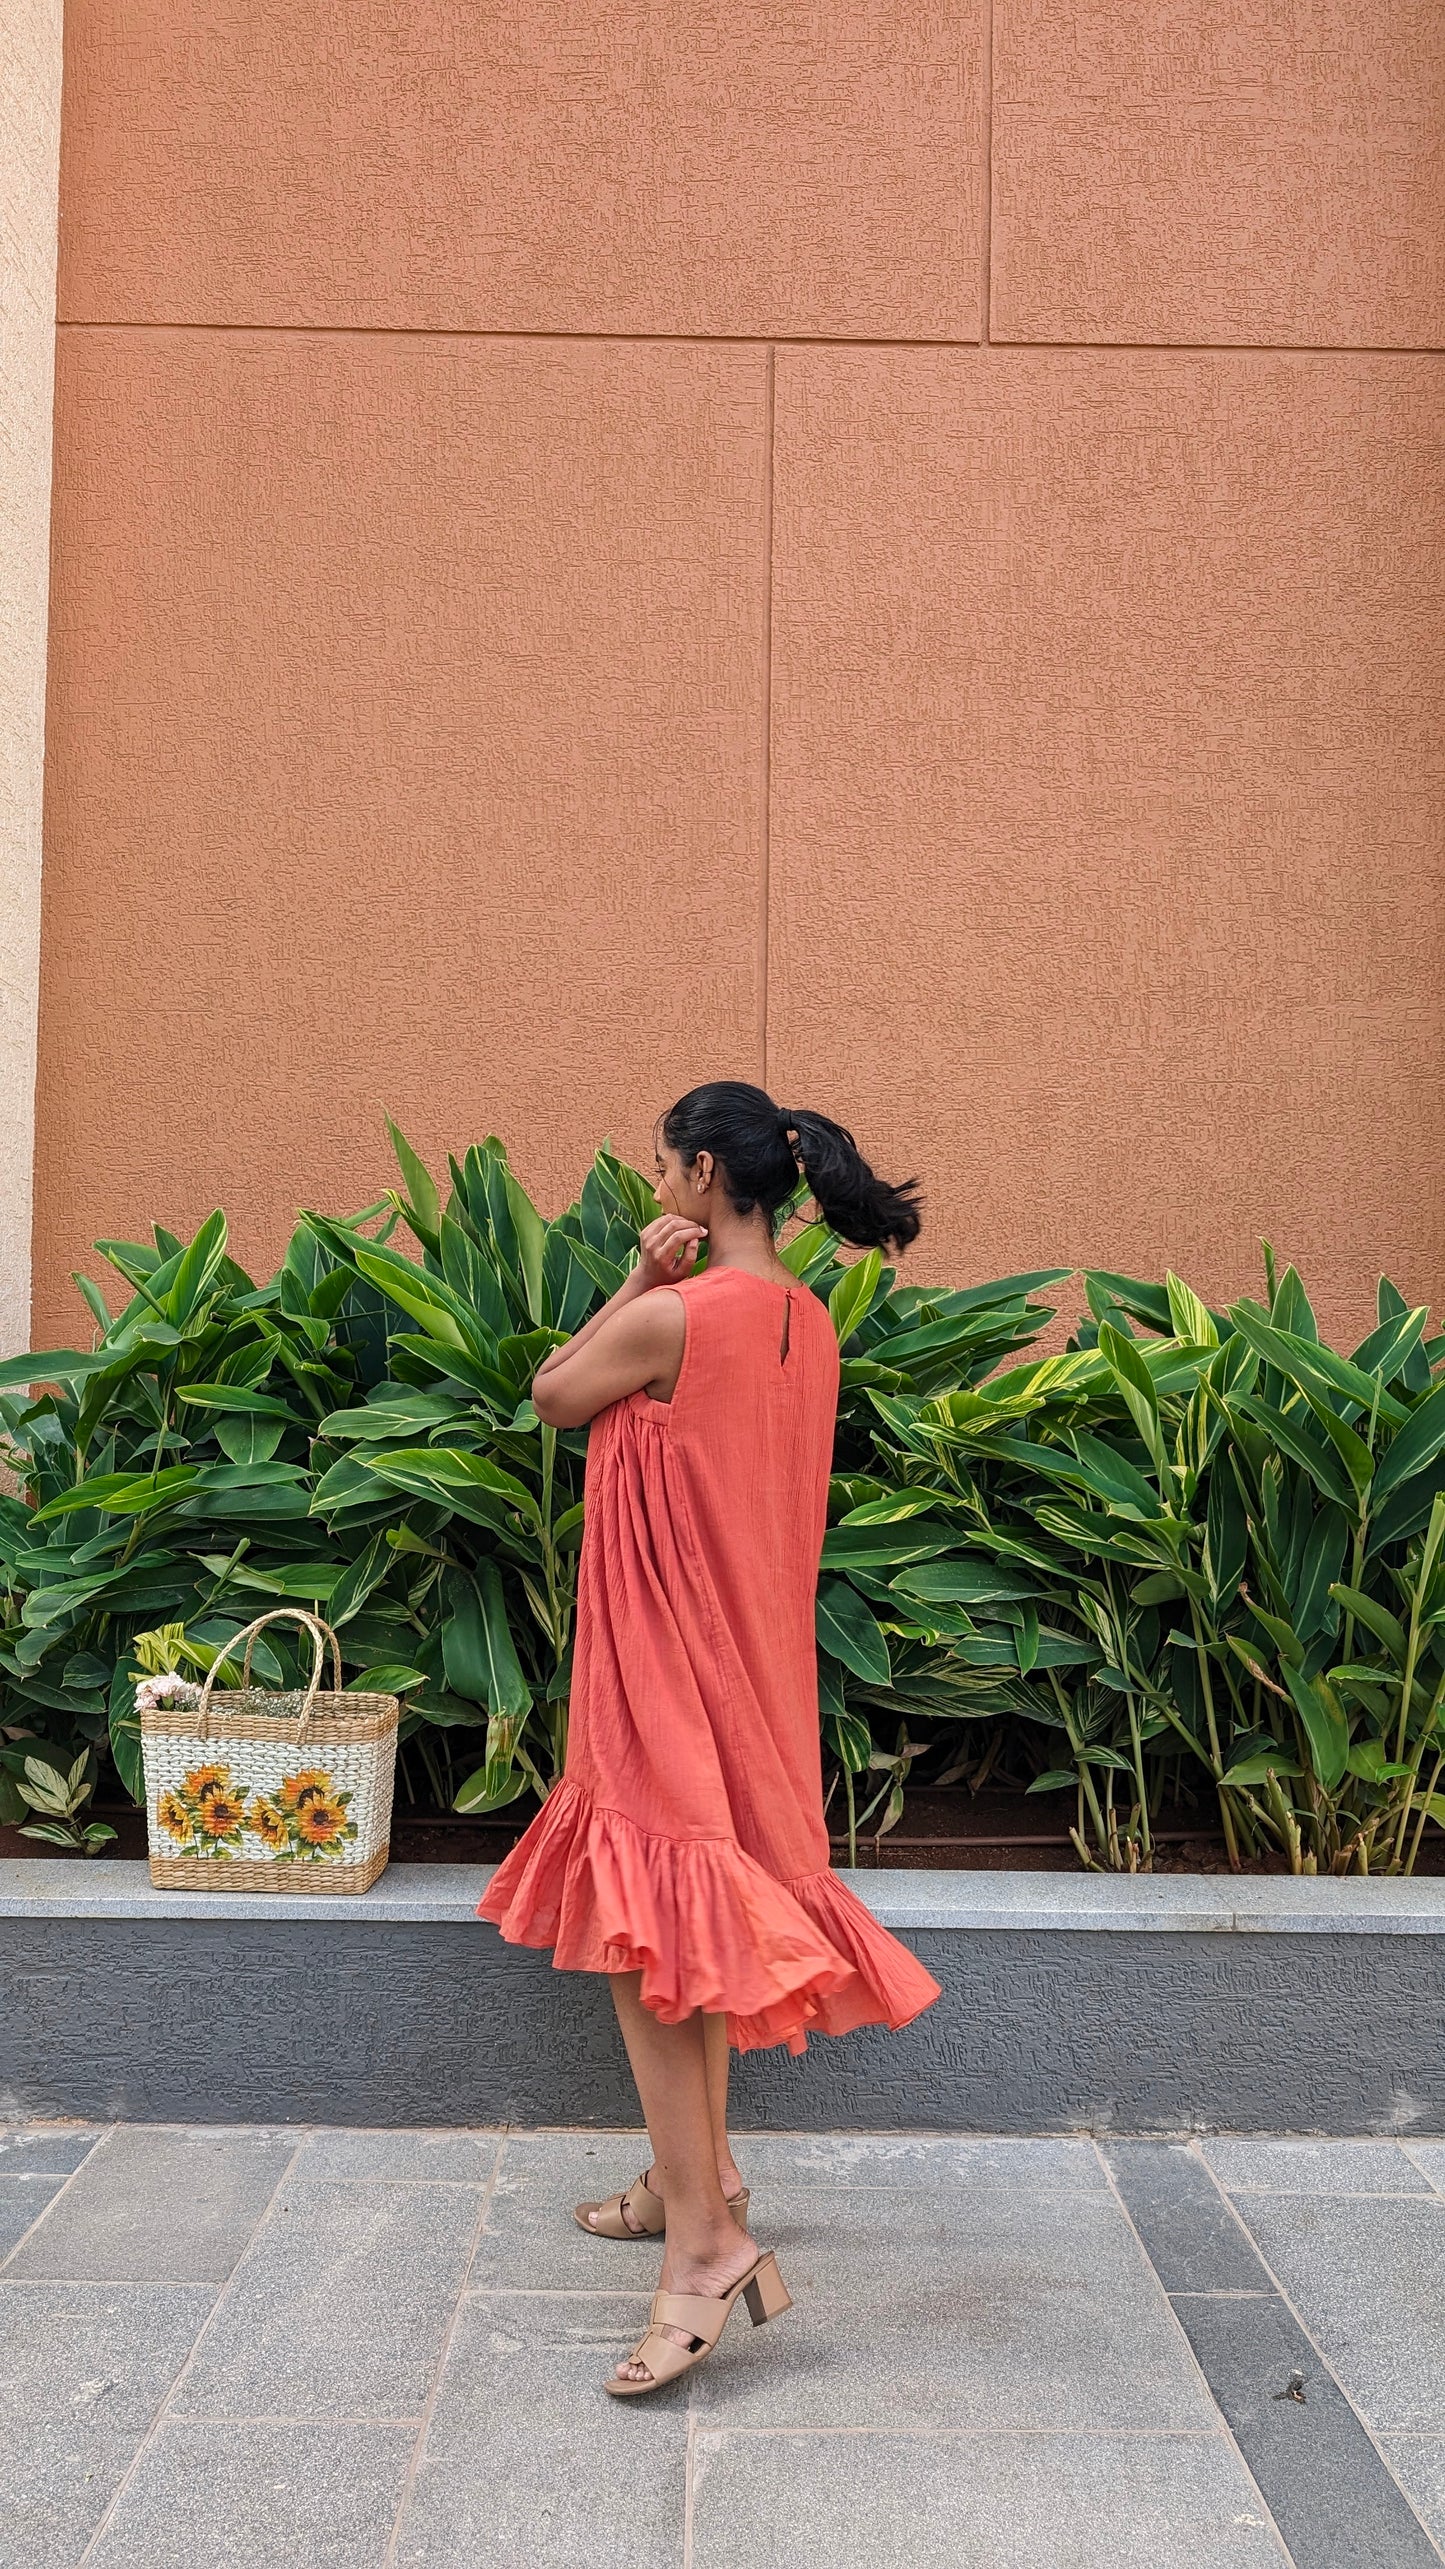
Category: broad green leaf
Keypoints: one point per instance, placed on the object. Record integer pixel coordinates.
(422, 1197)
(893, 1509)
(885, 1546)
(1324, 1722)
(1059, 1779)
(815, 1246)
(531, 1244)
(358, 1580)
(122, 1493)
(847, 1631)
(1258, 1770)
(450, 1477)
(196, 1271)
(1193, 1322)
(1312, 1367)
(63, 1365)
(1135, 1381)
(1226, 1535)
(388, 1677)
(598, 1270)
(1289, 1307)
(1146, 1302)
(249, 1439)
(852, 1296)
(1006, 1289)
(236, 1399)
(1388, 1349)
(1352, 1449)
(420, 1296)
(1370, 1759)
(1295, 1433)
(849, 1738)
(124, 1729)
(1415, 1445)
(477, 1646)
(1375, 1618)
(1286, 1640)
(491, 1788)
(965, 1583)
(383, 1421)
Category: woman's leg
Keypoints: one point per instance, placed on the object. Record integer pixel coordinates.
(715, 2057)
(715, 2048)
(704, 2251)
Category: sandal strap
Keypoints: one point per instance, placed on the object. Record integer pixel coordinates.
(647, 2209)
(700, 2314)
(662, 2356)
(649, 2214)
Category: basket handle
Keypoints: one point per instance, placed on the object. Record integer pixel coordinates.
(320, 1633)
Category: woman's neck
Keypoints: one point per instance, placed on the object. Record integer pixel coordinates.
(739, 1242)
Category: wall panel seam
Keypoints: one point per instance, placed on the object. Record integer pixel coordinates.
(766, 850)
(771, 340)
(985, 304)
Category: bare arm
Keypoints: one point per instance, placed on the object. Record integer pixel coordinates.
(635, 1343)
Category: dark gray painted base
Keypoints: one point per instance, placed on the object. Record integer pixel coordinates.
(1066, 2030)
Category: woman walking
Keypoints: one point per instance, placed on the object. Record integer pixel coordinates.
(685, 1852)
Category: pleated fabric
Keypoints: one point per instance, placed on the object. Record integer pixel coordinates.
(686, 1840)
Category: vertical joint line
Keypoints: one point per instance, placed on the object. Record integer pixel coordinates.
(765, 853)
(985, 289)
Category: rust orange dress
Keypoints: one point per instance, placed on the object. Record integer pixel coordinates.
(686, 1839)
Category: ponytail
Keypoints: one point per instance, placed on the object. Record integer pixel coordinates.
(760, 1148)
(853, 1202)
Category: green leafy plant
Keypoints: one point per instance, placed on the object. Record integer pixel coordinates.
(1193, 1559)
(1162, 1546)
(59, 1798)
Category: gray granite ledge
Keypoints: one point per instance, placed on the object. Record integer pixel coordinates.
(1033, 1903)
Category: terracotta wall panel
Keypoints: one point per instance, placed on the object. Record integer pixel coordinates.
(632, 165)
(1252, 171)
(406, 746)
(1108, 777)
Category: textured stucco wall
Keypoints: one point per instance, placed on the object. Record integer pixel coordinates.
(29, 171)
(897, 545)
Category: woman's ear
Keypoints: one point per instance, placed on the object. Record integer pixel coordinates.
(702, 1169)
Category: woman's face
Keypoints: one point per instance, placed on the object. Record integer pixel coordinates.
(684, 1190)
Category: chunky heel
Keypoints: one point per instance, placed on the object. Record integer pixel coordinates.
(766, 2294)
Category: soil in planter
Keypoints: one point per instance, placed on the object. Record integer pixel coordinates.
(947, 1831)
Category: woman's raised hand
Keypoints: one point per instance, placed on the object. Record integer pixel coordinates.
(668, 1249)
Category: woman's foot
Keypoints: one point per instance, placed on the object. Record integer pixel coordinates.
(725, 2256)
(728, 2177)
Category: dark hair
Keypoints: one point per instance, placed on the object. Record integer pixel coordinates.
(760, 1148)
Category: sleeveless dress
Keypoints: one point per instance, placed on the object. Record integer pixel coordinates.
(686, 1839)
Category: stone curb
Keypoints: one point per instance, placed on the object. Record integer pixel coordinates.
(447, 1895)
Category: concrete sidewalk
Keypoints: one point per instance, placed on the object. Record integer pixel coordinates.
(385, 2350)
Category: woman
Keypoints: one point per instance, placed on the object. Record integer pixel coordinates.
(685, 1852)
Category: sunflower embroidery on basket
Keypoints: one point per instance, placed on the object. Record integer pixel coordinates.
(253, 1790)
(304, 1821)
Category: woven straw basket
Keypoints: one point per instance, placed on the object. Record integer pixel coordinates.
(250, 1791)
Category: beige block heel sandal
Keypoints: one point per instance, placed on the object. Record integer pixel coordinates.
(648, 2212)
(704, 2320)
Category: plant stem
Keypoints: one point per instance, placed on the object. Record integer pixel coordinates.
(1225, 1813)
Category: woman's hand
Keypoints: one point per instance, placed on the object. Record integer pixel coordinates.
(634, 1342)
(667, 1250)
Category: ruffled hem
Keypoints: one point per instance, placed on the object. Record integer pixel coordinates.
(705, 1925)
